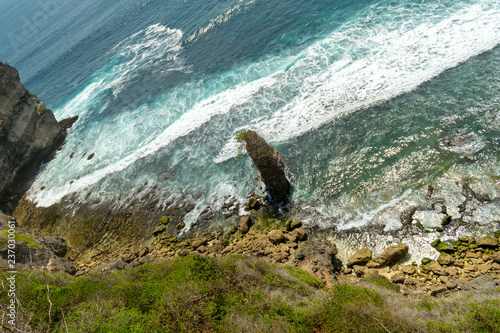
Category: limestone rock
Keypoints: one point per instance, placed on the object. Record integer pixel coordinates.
(276, 237)
(199, 242)
(245, 223)
(444, 247)
(445, 259)
(496, 257)
(435, 267)
(487, 242)
(159, 230)
(451, 284)
(361, 257)
(300, 234)
(408, 269)
(397, 277)
(28, 133)
(270, 165)
(390, 255)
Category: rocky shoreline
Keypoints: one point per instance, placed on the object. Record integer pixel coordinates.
(466, 264)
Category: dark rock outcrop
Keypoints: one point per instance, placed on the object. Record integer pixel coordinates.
(31, 252)
(28, 133)
(270, 165)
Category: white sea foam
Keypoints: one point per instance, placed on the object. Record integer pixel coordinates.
(240, 7)
(381, 55)
(188, 122)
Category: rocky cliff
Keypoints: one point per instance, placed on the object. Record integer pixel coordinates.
(28, 133)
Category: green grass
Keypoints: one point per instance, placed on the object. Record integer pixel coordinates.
(43, 110)
(233, 294)
(23, 238)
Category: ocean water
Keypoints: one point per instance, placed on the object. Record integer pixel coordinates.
(368, 101)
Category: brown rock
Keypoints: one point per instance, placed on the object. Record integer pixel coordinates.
(360, 270)
(361, 257)
(58, 264)
(445, 259)
(496, 257)
(451, 284)
(245, 223)
(283, 248)
(436, 268)
(143, 252)
(199, 242)
(438, 289)
(391, 255)
(408, 269)
(295, 224)
(472, 255)
(487, 242)
(159, 230)
(280, 256)
(276, 237)
(452, 271)
(397, 277)
(300, 234)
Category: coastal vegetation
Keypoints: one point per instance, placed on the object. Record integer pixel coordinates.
(236, 293)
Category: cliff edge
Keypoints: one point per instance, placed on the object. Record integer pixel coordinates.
(28, 133)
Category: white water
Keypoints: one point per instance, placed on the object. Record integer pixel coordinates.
(385, 52)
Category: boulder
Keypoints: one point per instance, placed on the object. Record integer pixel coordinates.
(276, 237)
(390, 255)
(438, 289)
(408, 269)
(361, 257)
(487, 242)
(159, 230)
(245, 223)
(444, 247)
(445, 259)
(199, 242)
(397, 277)
(300, 234)
(435, 267)
(270, 165)
(496, 257)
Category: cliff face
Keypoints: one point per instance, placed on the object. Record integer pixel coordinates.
(28, 133)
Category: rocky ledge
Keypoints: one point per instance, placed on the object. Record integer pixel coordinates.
(45, 253)
(466, 264)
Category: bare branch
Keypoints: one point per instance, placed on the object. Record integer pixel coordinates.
(50, 307)
(380, 324)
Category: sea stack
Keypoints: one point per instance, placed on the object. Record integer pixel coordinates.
(28, 133)
(270, 165)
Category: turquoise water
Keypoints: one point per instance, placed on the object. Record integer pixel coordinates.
(360, 97)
